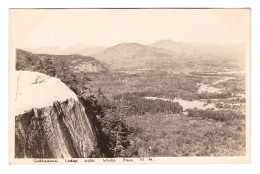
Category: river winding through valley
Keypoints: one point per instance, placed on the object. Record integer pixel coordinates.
(186, 104)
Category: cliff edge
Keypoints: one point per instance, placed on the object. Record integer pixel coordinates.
(50, 121)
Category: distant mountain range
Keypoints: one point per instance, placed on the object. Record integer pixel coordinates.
(84, 50)
(200, 49)
(168, 53)
(77, 63)
(162, 53)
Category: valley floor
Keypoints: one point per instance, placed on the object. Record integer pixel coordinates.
(175, 135)
(180, 135)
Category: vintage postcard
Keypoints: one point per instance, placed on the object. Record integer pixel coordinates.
(129, 86)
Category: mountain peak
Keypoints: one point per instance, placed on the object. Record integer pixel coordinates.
(130, 44)
(77, 46)
(164, 42)
(168, 45)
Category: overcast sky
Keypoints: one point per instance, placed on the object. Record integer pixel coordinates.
(64, 28)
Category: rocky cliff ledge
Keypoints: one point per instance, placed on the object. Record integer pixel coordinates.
(50, 121)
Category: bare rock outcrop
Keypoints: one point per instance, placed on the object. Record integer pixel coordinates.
(50, 121)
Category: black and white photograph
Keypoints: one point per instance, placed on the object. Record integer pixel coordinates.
(134, 86)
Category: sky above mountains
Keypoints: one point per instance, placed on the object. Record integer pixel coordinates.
(63, 28)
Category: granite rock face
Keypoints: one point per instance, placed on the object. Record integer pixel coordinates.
(61, 129)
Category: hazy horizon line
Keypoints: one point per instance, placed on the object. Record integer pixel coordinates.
(125, 42)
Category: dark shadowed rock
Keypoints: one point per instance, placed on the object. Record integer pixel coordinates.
(51, 124)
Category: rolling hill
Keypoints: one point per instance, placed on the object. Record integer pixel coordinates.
(203, 51)
(84, 50)
(168, 53)
(168, 45)
(133, 55)
(76, 63)
(45, 50)
(163, 54)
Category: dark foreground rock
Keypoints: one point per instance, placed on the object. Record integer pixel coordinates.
(61, 130)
